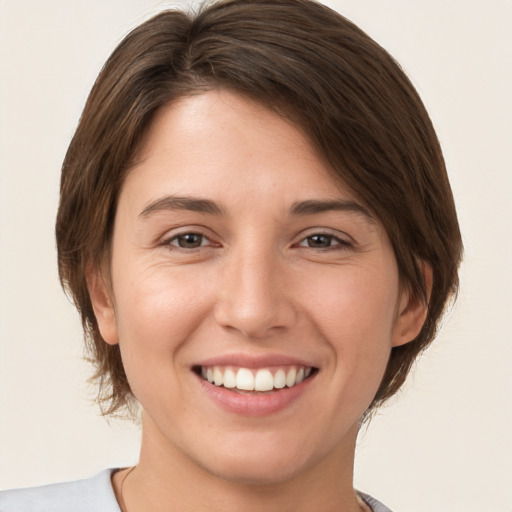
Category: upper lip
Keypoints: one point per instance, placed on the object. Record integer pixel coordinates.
(254, 361)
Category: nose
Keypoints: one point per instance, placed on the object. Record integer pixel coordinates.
(252, 296)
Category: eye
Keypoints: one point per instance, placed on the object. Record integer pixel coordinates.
(188, 240)
(323, 241)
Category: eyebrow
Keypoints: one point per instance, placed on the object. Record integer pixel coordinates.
(207, 206)
(314, 206)
(193, 204)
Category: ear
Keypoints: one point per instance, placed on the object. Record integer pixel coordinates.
(412, 312)
(103, 306)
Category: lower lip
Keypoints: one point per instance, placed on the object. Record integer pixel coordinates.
(254, 404)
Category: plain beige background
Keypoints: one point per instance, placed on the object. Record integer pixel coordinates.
(445, 444)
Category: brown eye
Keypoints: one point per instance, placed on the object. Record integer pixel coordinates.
(324, 241)
(188, 240)
(320, 241)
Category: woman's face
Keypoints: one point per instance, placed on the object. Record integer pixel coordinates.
(238, 258)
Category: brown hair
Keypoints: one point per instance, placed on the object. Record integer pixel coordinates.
(309, 64)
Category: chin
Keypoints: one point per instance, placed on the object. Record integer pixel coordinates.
(257, 472)
(258, 462)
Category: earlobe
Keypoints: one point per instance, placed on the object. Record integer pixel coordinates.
(412, 312)
(103, 306)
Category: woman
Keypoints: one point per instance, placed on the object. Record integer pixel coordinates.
(258, 231)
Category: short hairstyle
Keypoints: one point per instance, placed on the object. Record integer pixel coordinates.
(305, 62)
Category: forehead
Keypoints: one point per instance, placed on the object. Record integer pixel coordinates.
(223, 142)
(196, 122)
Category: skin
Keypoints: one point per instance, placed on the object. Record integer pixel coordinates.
(320, 287)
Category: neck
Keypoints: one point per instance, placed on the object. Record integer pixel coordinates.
(167, 479)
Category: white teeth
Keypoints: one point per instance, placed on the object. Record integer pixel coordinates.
(255, 380)
(245, 379)
(229, 378)
(263, 381)
(290, 377)
(280, 379)
(217, 376)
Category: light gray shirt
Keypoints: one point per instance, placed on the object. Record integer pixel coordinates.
(91, 495)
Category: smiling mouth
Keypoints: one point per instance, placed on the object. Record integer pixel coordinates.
(261, 380)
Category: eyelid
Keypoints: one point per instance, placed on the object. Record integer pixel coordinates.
(173, 234)
(343, 238)
(176, 238)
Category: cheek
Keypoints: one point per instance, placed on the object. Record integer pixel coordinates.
(157, 310)
(355, 315)
(358, 305)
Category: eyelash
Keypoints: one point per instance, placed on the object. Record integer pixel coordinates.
(169, 242)
(339, 243)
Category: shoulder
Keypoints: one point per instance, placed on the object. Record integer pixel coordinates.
(89, 495)
(375, 505)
